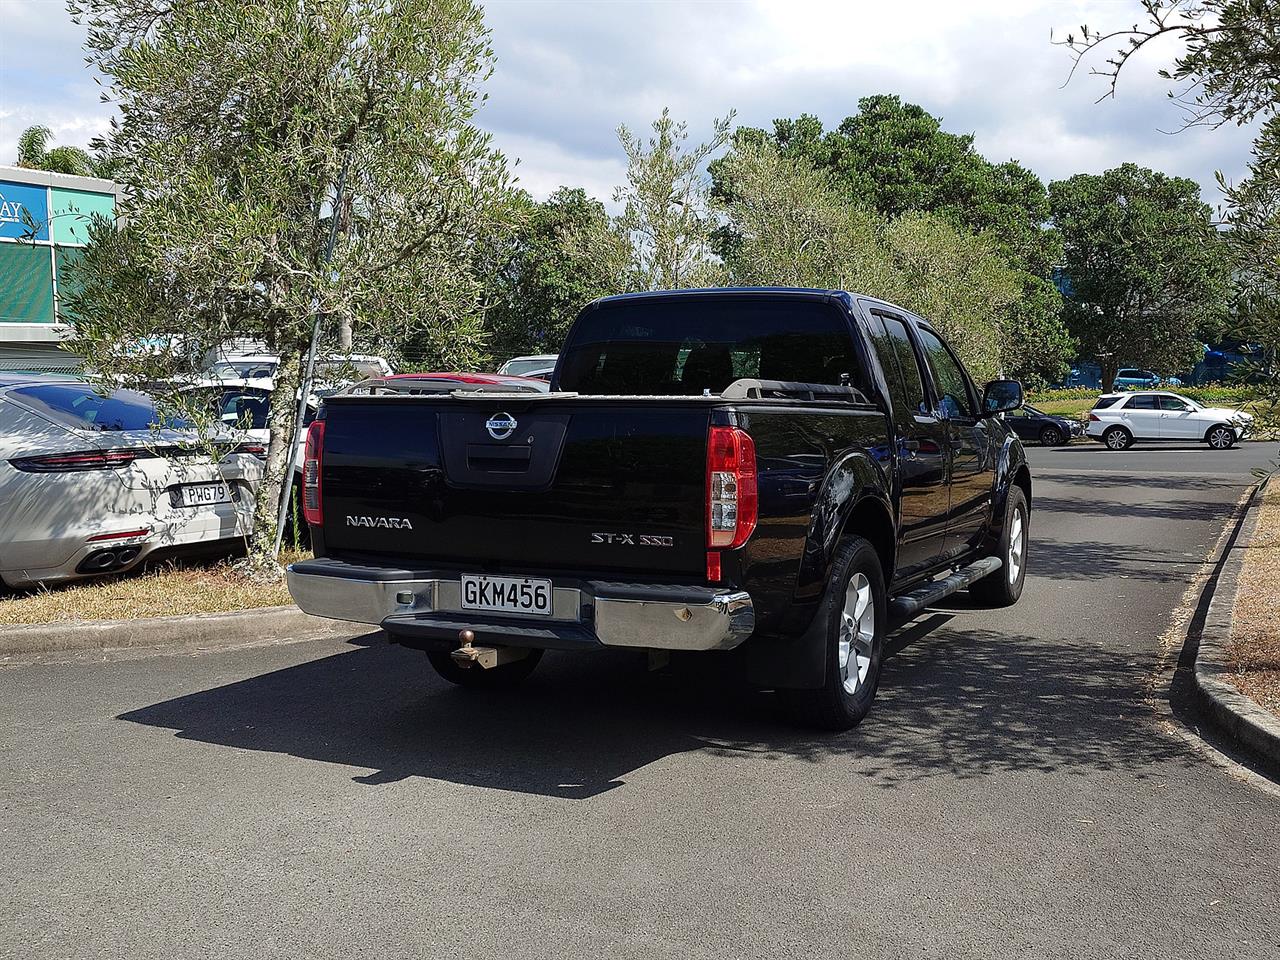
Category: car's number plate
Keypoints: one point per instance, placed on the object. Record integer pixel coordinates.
(205, 494)
(506, 595)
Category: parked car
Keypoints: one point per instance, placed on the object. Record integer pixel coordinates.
(1131, 378)
(331, 370)
(777, 470)
(540, 366)
(1121, 419)
(243, 406)
(1043, 428)
(91, 485)
(445, 383)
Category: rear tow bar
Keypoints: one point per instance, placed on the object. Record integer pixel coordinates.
(486, 658)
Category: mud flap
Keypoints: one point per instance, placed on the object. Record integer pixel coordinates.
(793, 663)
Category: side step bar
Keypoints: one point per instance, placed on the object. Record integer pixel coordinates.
(907, 605)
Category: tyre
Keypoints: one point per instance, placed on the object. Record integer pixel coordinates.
(1050, 437)
(1220, 437)
(1004, 587)
(1117, 438)
(500, 677)
(852, 617)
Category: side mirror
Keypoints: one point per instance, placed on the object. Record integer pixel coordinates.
(1001, 396)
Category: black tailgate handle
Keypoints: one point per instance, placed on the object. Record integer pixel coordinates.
(499, 457)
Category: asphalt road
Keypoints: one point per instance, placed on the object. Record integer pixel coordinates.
(1014, 793)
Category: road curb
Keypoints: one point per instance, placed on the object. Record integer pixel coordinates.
(1243, 719)
(206, 631)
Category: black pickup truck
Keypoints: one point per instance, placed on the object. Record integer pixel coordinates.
(780, 470)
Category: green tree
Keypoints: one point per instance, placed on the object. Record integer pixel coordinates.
(543, 272)
(666, 217)
(1147, 270)
(1228, 68)
(254, 137)
(34, 153)
(792, 226)
(894, 158)
(1254, 242)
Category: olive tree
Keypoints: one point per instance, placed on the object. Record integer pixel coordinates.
(787, 223)
(285, 162)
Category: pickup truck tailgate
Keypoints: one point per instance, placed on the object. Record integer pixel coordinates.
(579, 484)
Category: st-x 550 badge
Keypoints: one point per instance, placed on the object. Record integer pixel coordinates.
(633, 540)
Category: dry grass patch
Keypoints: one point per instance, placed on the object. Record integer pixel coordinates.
(1254, 650)
(163, 592)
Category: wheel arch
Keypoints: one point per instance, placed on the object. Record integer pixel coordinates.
(1214, 426)
(852, 501)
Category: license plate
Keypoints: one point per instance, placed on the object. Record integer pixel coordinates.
(506, 595)
(205, 494)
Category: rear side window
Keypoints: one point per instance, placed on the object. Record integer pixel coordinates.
(689, 346)
(901, 369)
(79, 406)
(1103, 402)
(1141, 403)
(953, 387)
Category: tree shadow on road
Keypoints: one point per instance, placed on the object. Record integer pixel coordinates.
(1208, 511)
(953, 703)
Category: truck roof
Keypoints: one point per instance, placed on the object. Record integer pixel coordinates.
(798, 293)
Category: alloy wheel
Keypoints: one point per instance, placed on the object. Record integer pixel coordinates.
(1220, 438)
(1017, 546)
(857, 633)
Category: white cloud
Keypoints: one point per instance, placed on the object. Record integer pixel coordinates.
(570, 71)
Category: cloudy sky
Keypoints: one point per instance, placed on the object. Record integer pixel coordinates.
(569, 71)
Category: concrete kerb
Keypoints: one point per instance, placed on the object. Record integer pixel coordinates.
(1243, 719)
(210, 631)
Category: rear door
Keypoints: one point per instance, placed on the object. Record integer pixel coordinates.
(921, 438)
(1141, 414)
(969, 439)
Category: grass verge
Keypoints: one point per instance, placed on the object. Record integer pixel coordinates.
(1254, 650)
(164, 592)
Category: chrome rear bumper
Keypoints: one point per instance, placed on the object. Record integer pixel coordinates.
(584, 612)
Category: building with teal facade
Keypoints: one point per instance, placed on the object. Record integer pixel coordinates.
(44, 223)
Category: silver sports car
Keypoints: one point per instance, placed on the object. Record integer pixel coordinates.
(89, 484)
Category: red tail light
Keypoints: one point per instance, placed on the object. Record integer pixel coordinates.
(731, 487)
(72, 462)
(1094, 418)
(311, 507)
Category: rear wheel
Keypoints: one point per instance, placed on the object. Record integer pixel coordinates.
(476, 677)
(1221, 437)
(1004, 587)
(853, 618)
(1117, 438)
(1050, 437)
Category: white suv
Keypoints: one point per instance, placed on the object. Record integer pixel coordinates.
(1121, 419)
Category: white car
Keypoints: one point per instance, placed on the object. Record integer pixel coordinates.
(541, 366)
(1122, 419)
(331, 370)
(90, 486)
(244, 406)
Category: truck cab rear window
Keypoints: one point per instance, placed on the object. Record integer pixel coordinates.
(693, 346)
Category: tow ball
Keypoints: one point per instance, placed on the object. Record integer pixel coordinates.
(469, 655)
